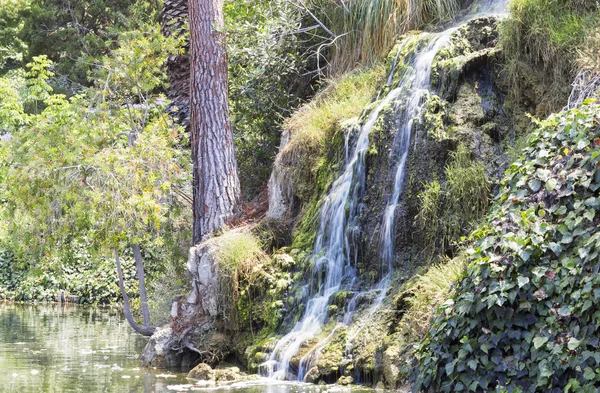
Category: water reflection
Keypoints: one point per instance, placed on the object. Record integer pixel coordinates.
(67, 348)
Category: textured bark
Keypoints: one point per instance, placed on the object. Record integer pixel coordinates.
(139, 265)
(143, 330)
(174, 22)
(216, 183)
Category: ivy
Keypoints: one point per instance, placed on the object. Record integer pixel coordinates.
(525, 316)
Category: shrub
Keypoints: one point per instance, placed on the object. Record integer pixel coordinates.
(525, 313)
(452, 209)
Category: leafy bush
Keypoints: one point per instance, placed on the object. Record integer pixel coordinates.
(265, 84)
(82, 278)
(525, 316)
(75, 34)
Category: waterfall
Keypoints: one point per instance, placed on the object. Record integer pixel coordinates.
(333, 263)
(332, 247)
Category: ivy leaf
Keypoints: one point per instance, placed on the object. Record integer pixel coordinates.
(535, 185)
(551, 184)
(449, 368)
(555, 247)
(567, 238)
(543, 174)
(522, 281)
(590, 214)
(573, 343)
(589, 374)
(539, 341)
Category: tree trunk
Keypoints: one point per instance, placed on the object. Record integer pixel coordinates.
(216, 183)
(143, 330)
(174, 17)
(139, 265)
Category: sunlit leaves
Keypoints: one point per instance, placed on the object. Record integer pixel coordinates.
(103, 163)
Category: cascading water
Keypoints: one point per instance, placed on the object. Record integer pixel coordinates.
(332, 248)
(334, 264)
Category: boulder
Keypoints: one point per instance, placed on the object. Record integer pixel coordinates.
(202, 372)
(313, 375)
(391, 369)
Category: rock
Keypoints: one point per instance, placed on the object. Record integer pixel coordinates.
(227, 374)
(204, 270)
(158, 352)
(313, 375)
(346, 380)
(202, 372)
(279, 195)
(380, 386)
(391, 370)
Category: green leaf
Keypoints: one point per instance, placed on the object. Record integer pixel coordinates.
(522, 281)
(567, 238)
(589, 374)
(551, 184)
(534, 184)
(555, 247)
(573, 343)
(539, 341)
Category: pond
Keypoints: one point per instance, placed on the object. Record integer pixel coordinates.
(68, 348)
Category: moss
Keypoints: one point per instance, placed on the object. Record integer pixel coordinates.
(331, 357)
(435, 117)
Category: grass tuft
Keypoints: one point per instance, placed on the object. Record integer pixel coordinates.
(541, 40)
(426, 293)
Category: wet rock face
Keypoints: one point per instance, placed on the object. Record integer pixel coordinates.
(464, 108)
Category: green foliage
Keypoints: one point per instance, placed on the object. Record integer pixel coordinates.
(74, 34)
(11, 25)
(540, 40)
(264, 82)
(104, 165)
(430, 199)
(82, 278)
(525, 313)
(451, 209)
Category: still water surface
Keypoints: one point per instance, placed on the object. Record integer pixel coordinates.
(67, 348)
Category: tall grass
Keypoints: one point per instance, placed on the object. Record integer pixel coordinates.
(366, 29)
(450, 210)
(426, 292)
(541, 40)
